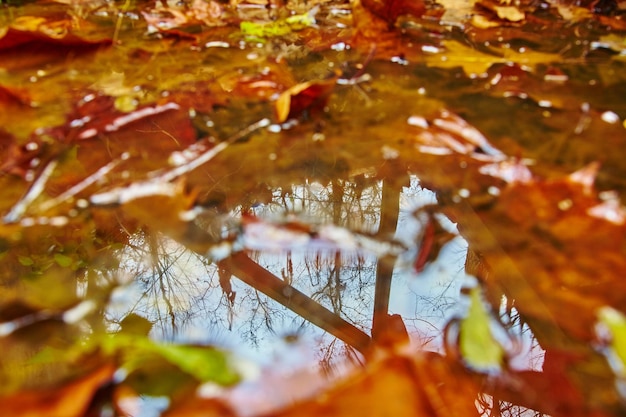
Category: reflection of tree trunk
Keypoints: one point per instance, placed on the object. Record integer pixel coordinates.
(244, 268)
(389, 210)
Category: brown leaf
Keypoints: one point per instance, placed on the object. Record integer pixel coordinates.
(71, 400)
(16, 158)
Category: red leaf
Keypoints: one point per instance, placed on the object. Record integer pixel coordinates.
(13, 95)
(308, 96)
(27, 29)
(390, 10)
(99, 117)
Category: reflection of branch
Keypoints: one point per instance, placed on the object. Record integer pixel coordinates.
(261, 279)
(75, 189)
(18, 210)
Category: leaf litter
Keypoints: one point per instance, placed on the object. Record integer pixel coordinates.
(183, 120)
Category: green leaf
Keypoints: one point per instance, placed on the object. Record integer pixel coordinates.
(278, 28)
(203, 363)
(63, 260)
(478, 347)
(25, 260)
(265, 30)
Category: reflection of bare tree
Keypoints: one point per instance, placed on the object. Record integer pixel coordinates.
(251, 273)
(342, 291)
(171, 284)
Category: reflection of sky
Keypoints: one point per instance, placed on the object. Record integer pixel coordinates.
(184, 299)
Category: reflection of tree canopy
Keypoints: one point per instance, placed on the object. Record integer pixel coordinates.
(185, 295)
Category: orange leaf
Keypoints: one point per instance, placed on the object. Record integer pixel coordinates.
(427, 385)
(71, 400)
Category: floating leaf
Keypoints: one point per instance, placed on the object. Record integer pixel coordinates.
(25, 260)
(63, 260)
(390, 10)
(615, 321)
(278, 28)
(71, 400)
(60, 31)
(311, 95)
(477, 345)
(203, 363)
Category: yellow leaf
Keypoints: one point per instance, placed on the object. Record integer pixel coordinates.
(615, 321)
(510, 13)
(478, 347)
(477, 63)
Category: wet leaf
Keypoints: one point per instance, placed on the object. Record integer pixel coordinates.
(477, 345)
(26, 29)
(9, 95)
(310, 97)
(278, 28)
(615, 322)
(26, 261)
(204, 363)
(70, 400)
(63, 260)
(390, 10)
(426, 385)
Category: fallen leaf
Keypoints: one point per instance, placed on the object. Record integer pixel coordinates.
(310, 96)
(390, 10)
(448, 133)
(280, 27)
(615, 323)
(70, 400)
(25, 29)
(9, 95)
(477, 345)
(426, 385)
